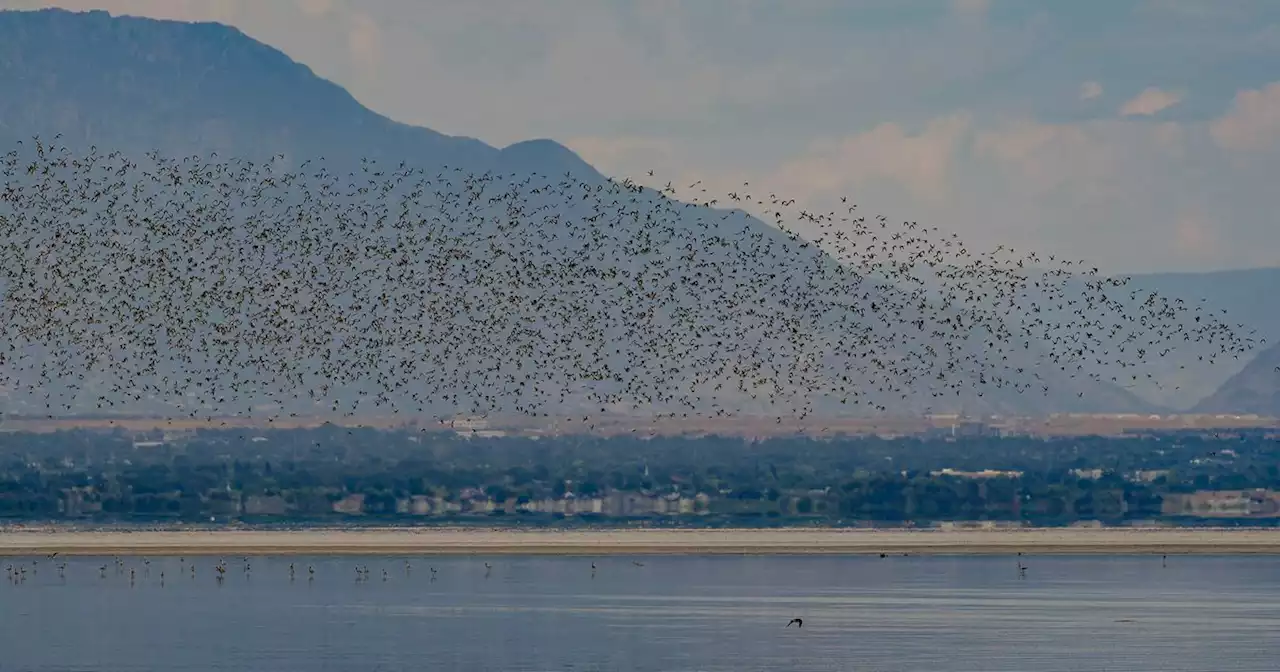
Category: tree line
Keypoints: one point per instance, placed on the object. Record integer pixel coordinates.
(334, 473)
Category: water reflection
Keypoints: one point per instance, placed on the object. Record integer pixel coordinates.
(678, 613)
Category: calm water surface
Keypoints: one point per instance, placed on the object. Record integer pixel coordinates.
(1209, 614)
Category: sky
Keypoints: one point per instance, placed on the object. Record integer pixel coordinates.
(1141, 135)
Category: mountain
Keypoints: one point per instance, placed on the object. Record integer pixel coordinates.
(138, 85)
(124, 82)
(1247, 294)
(1255, 389)
(1250, 300)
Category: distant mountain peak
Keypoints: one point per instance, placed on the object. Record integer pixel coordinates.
(538, 145)
(540, 154)
(140, 84)
(1254, 390)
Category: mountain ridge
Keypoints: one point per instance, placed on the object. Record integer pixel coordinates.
(1254, 390)
(1249, 298)
(236, 80)
(207, 87)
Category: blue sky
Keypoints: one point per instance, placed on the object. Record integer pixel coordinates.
(1143, 134)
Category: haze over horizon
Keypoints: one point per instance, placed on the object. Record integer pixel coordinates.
(1137, 135)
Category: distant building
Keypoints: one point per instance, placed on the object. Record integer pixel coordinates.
(351, 505)
(480, 433)
(1147, 475)
(1223, 504)
(977, 524)
(985, 473)
(419, 505)
(484, 505)
(468, 423)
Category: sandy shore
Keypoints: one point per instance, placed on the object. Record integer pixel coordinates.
(642, 542)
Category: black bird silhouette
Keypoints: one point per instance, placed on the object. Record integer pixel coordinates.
(799, 623)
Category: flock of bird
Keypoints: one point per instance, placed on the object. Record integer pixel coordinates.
(214, 286)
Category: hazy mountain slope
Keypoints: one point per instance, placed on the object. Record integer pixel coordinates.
(138, 85)
(180, 88)
(1190, 370)
(1246, 294)
(1249, 296)
(1255, 389)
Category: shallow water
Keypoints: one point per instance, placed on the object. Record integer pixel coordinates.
(931, 614)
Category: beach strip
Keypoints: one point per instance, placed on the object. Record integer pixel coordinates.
(454, 541)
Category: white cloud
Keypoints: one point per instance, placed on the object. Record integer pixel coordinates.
(315, 8)
(971, 7)
(364, 41)
(714, 90)
(1151, 101)
(619, 154)
(1195, 237)
(918, 162)
(1128, 196)
(1021, 141)
(1252, 123)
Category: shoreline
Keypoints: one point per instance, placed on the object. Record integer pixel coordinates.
(1031, 541)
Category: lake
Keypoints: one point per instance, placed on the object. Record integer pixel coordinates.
(927, 614)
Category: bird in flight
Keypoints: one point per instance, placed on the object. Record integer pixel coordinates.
(202, 287)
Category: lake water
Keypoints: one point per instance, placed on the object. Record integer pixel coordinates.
(931, 614)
